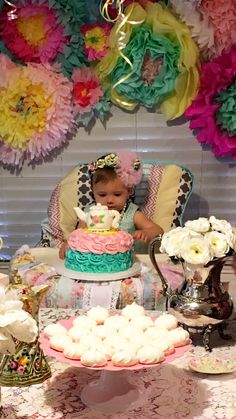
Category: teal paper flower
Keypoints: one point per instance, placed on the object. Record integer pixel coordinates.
(225, 115)
(155, 67)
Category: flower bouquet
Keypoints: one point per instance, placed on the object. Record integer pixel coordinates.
(200, 242)
(202, 246)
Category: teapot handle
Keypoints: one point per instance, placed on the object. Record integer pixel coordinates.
(153, 246)
(116, 218)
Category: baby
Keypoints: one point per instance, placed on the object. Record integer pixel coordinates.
(113, 178)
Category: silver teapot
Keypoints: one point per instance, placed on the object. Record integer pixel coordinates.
(201, 299)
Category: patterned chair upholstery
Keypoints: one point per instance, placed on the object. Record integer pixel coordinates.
(162, 195)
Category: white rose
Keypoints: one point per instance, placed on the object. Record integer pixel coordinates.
(234, 238)
(223, 226)
(201, 225)
(196, 250)
(220, 225)
(218, 242)
(171, 241)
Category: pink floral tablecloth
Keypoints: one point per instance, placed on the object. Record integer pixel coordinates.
(169, 390)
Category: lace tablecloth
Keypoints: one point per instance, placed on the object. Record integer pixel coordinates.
(169, 390)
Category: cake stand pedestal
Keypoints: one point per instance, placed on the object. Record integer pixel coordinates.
(111, 393)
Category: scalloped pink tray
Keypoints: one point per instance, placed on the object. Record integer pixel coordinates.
(67, 323)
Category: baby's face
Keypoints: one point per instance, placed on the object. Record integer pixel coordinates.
(113, 194)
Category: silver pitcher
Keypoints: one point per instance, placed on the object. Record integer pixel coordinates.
(201, 299)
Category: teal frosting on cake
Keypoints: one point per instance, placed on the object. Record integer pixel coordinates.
(98, 263)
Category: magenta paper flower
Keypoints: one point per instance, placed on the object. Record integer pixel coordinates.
(95, 40)
(216, 75)
(35, 35)
(86, 89)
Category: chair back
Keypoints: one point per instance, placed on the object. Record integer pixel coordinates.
(162, 195)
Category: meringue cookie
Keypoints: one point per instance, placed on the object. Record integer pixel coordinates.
(94, 358)
(75, 333)
(155, 333)
(84, 322)
(178, 337)
(124, 358)
(74, 350)
(142, 322)
(150, 355)
(103, 331)
(139, 340)
(165, 345)
(166, 321)
(54, 329)
(130, 332)
(115, 341)
(132, 310)
(116, 322)
(59, 342)
(98, 313)
(90, 341)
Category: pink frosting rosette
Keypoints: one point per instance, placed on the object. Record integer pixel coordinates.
(85, 242)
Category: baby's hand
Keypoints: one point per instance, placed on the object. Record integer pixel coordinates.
(141, 235)
(62, 250)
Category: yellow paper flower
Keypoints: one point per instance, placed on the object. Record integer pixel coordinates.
(23, 108)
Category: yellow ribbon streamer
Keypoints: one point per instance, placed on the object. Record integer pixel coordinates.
(104, 10)
(12, 13)
(121, 44)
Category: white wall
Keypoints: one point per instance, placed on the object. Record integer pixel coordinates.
(24, 197)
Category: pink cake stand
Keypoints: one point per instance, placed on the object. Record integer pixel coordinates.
(112, 392)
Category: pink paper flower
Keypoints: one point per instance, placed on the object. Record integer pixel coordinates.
(36, 111)
(86, 89)
(222, 14)
(35, 35)
(95, 40)
(216, 76)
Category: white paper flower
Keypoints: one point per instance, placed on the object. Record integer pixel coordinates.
(172, 240)
(15, 323)
(196, 250)
(201, 225)
(218, 243)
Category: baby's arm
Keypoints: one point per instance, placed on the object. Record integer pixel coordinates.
(146, 229)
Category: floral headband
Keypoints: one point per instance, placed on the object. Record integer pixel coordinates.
(126, 164)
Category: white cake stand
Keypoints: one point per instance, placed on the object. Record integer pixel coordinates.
(50, 256)
(111, 392)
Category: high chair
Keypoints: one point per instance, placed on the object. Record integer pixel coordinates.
(162, 195)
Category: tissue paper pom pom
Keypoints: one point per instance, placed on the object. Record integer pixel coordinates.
(35, 35)
(36, 111)
(216, 76)
(200, 26)
(222, 14)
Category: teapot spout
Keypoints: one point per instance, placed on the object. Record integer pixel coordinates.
(80, 214)
(154, 244)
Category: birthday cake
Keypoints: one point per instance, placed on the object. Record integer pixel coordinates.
(99, 251)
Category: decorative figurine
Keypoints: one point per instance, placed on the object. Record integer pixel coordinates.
(28, 365)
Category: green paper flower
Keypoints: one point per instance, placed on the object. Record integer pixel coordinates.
(226, 114)
(155, 67)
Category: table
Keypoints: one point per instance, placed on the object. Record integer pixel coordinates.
(169, 391)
